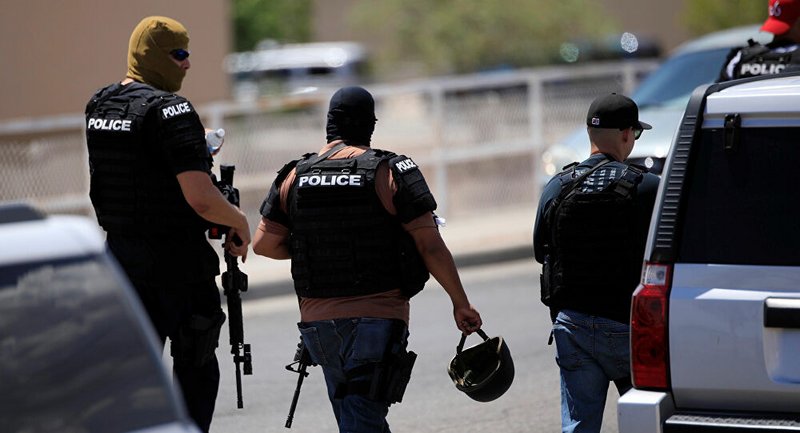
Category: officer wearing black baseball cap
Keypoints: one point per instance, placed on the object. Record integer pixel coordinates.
(589, 235)
(615, 111)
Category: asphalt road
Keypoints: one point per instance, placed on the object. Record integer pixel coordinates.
(506, 295)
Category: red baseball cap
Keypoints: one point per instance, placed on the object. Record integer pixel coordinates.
(782, 15)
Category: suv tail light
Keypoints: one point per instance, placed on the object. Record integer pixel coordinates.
(649, 328)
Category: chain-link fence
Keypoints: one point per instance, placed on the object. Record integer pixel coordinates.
(477, 138)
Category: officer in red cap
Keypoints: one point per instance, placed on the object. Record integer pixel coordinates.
(780, 55)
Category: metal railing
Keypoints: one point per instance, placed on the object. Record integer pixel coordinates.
(477, 138)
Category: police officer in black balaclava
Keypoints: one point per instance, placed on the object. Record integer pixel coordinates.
(359, 227)
(351, 114)
(151, 190)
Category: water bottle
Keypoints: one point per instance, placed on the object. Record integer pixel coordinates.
(214, 140)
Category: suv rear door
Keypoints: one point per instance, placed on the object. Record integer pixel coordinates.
(734, 304)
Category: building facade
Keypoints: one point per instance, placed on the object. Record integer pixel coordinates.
(54, 55)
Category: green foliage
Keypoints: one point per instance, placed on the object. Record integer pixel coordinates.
(282, 20)
(455, 36)
(704, 16)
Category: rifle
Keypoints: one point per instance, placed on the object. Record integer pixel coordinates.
(303, 359)
(234, 281)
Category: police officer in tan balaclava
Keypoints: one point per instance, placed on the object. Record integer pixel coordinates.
(152, 192)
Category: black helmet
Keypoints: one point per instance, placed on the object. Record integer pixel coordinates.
(485, 371)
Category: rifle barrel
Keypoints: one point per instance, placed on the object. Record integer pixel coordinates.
(302, 374)
(239, 400)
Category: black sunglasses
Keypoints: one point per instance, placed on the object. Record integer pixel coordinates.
(180, 54)
(637, 131)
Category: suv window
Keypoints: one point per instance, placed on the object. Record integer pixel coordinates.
(742, 205)
(72, 355)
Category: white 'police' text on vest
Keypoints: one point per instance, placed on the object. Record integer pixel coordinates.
(762, 68)
(109, 124)
(331, 180)
(405, 165)
(175, 110)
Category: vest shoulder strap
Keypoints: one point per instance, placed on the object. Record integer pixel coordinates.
(310, 159)
(569, 181)
(625, 185)
(285, 170)
(101, 96)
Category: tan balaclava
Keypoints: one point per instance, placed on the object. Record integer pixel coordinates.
(149, 50)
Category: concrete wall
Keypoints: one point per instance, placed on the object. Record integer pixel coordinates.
(55, 54)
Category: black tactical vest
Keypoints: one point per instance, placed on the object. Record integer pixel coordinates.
(132, 188)
(343, 242)
(596, 249)
(757, 59)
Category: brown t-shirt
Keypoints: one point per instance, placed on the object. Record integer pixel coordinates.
(384, 305)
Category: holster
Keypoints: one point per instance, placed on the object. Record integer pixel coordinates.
(197, 340)
(389, 377)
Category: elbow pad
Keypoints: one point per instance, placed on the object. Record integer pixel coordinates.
(271, 206)
(413, 197)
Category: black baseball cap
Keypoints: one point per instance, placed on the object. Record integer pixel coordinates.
(614, 111)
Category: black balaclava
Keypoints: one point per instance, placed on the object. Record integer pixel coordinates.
(351, 116)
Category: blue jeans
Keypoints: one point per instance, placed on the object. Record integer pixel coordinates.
(346, 349)
(591, 351)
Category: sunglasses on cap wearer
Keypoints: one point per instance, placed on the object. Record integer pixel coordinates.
(180, 54)
(637, 131)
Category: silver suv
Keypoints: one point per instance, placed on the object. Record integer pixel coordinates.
(77, 351)
(715, 322)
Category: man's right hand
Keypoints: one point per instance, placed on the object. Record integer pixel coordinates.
(204, 197)
(468, 320)
(241, 234)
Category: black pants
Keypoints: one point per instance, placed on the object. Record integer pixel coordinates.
(170, 306)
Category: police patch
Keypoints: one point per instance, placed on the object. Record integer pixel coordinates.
(176, 110)
(109, 124)
(330, 180)
(405, 165)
